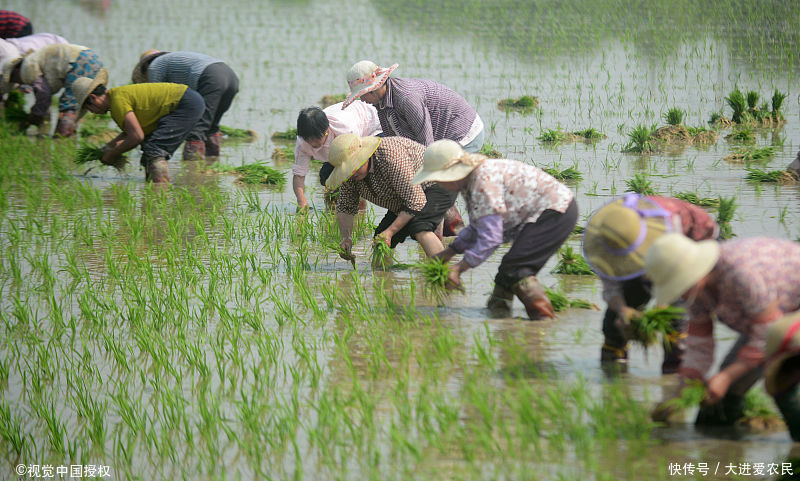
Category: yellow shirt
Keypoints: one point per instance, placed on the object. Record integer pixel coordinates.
(148, 102)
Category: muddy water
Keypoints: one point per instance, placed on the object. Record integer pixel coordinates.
(611, 72)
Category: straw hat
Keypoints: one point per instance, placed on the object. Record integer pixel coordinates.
(619, 234)
(348, 152)
(83, 86)
(675, 263)
(8, 67)
(446, 161)
(365, 77)
(783, 342)
(139, 74)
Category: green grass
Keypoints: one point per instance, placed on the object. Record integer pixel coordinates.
(572, 263)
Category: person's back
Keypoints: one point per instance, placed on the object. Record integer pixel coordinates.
(149, 102)
(180, 67)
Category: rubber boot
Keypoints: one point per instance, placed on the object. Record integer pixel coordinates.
(610, 354)
(213, 144)
(534, 298)
(789, 404)
(452, 222)
(66, 124)
(194, 150)
(155, 169)
(499, 303)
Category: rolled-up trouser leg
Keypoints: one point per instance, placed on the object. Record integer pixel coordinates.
(173, 128)
(218, 85)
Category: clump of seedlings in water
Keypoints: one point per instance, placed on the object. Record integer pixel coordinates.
(693, 198)
(435, 275)
(490, 150)
(766, 176)
(747, 111)
(570, 173)
(256, 173)
(738, 104)
(742, 135)
(14, 110)
(759, 412)
(777, 102)
(525, 104)
(572, 263)
(555, 136)
(750, 153)
(690, 396)
(232, 133)
(702, 135)
(590, 134)
(725, 212)
(382, 254)
(328, 100)
(674, 116)
(641, 184)
(640, 140)
(288, 135)
(653, 323)
(718, 120)
(559, 301)
(283, 154)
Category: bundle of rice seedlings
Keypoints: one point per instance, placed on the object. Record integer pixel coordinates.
(640, 184)
(567, 174)
(490, 150)
(283, 154)
(87, 153)
(646, 329)
(287, 135)
(725, 211)
(690, 396)
(382, 254)
(693, 198)
(572, 263)
(758, 175)
(257, 173)
(744, 135)
(674, 116)
(559, 301)
(555, 136)
(759, 412)
(241, 134)
(14, 110)
(524, 103)
(590, 134)
(738, 104)
(777, 102)
(640, 140)
(434, 272)
(752, 99)
(749, 154)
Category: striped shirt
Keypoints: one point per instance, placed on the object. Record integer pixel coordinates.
(12, 24)
(179, 68)
(388, 181)
(751, 276)
(424, 111)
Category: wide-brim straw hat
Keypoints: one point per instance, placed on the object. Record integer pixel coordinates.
(619, 234)
(8, 67)
(139, 74)
(83, 86)
(364, 77)
(783, 343)
(446, 161)
(675, 263)
(348, 152)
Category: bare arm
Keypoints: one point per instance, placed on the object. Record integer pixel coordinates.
(131, 136)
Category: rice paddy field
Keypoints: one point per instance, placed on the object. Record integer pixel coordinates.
(204, 331)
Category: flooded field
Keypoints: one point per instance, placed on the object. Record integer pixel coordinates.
(204, 331)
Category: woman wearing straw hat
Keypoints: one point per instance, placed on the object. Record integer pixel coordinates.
(380, 170)
(157, 116)
(615, 241)
(507, 201)
(420, 109)
(747, 284)
(212, 78)
(47, 70)
(782, 373)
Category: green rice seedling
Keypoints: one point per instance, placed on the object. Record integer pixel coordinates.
(725, 212)
(590, 134)
(750, 154)
(641, 184)
(752, 99)
(435, 274)
(758, 175)
(569, 173)
(646, 329)
(572, 263)
(557, 299)
(490, 150)
(257, 173)
(690, 396)
(87, 153)
(777, 101)
(287, 135)
(382, 254)
(693, 198)
(744, 135)
(525, 104)
(738, 104)
(759, 411)
(14, 110)
(640, 140)
(283, 154)
(238, 134)
(674, 116)
(555, 136)
(578, 229)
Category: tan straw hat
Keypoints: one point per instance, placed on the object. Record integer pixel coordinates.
(139, 74)
(619, 234)
(83, 86)
(8, 67)
(783, 342)
(365, 77)
(675, 263)
(348, 152)
(446, 161)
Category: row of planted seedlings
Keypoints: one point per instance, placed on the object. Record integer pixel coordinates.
(197, 332)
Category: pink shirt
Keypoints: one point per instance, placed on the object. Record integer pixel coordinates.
(358, 118)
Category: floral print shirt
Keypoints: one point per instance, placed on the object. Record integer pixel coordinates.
(751, 275)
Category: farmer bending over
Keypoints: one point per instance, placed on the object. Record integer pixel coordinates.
(507, 201)
(158, 116)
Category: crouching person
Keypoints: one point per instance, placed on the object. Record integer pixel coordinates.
(380, 170)
(158, 116)
(507, 201)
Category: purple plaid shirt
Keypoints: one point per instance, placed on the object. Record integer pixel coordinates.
(424, 111)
